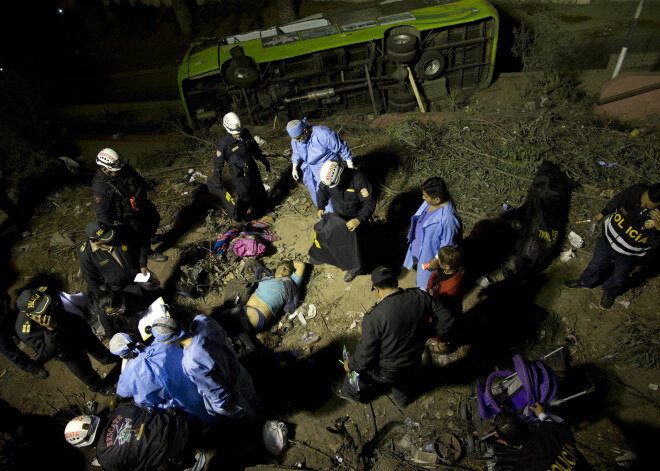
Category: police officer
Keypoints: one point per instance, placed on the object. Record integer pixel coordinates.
(394, 333)
(239, 150)
(631, 232)
(120, 198)
(51, 331)
(351, 196)
(108, 258)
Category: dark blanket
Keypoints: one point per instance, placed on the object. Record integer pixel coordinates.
(335, 245)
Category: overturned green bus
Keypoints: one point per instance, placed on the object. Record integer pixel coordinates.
(358, 61)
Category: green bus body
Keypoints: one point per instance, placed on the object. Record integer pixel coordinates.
(353, 61)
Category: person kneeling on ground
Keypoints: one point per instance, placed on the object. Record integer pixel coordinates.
(53, 332)
(133, 438)
(550, 446)
(271, 295)
(154, 378)
(394, 334)
(209, 361)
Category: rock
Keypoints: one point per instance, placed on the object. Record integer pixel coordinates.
(58, 239)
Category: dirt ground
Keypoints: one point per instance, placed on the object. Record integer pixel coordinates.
(621, 416)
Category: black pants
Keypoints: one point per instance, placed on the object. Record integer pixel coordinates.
(250, 193)
(401, 387)
(79, 364)
(9, 348)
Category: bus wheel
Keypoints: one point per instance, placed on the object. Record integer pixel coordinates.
(401, 101)
(430, 66)
(243, 76)
(401, 46)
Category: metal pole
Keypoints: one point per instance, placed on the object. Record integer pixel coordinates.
(624, 49)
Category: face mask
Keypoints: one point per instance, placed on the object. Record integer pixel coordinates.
(304, 140)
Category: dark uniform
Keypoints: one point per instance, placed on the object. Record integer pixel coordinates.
(132, 438)
(351, 199)
(551, 446)
(122, 199)
(394, 333)
(69, 342)
(240, 154)
(629, 235)
(7, 345)
(99, 266)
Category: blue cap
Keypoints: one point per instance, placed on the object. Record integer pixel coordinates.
(123, 345)
(296, 127)
(168, 329)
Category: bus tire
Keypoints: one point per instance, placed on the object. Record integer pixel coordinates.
(401, 43)
(401, 47)
(431, 65)
(401, 101)
(399, 97)
(244, 76)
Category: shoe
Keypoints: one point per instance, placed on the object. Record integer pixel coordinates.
(349, 276)
(158, 257)
(336, 389)
(607, 301)
(39, 372)
(574, 284)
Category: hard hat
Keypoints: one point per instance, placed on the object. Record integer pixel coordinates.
(331, 173)
(110, 159)
(232, 123)
(81, 430)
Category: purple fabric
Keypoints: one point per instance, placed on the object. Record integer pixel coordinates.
(257, 228)
(248, 248)
(538, 383)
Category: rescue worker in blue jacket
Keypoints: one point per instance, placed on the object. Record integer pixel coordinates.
(154, 378)
(311, 147)
(239, 150)
(210, 362)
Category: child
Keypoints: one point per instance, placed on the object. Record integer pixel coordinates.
(446, 284)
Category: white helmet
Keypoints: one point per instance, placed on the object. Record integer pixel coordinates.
(232, 123)
(110, 159)
(330, 173)
(81, 430)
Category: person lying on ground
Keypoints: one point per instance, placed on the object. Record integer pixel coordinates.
(272, 295)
